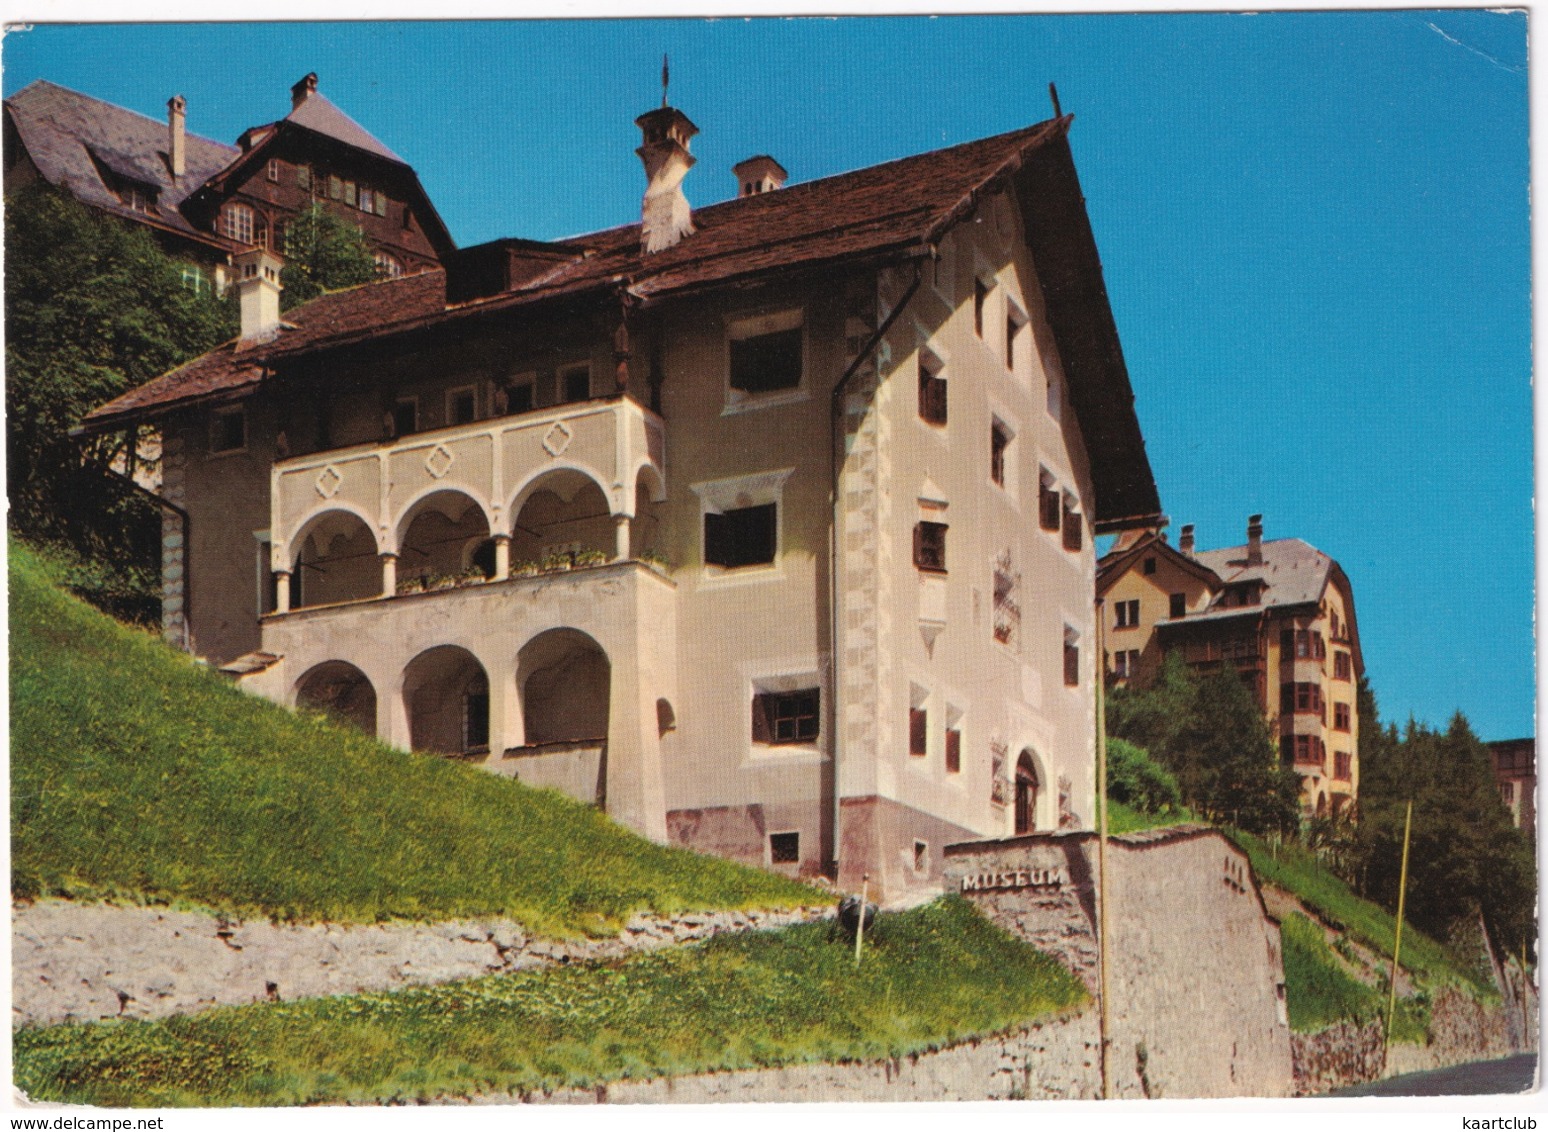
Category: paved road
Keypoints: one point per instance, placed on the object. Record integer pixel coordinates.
(1508, 1075)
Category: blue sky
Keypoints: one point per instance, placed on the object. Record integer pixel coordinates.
(1314, 228)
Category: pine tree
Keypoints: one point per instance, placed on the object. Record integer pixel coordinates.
(323, 253)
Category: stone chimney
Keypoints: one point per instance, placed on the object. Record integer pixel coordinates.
(1185, 540)
(177, 134)
(302, 91)
(761, 174)
(665, 217)
(258, 293)
(1255, 540)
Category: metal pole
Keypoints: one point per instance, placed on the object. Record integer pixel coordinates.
(1397, 940)
(1102, 983)
(865, 892)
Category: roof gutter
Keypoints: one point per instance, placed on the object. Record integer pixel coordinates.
(835, 429)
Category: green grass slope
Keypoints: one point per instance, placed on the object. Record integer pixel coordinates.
(139, 774)
(931, 976)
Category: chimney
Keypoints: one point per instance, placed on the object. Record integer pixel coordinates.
(1185, 540)
(761, 174)
(258, 293)
(665, 217)
(177, 134)
(1255, 540)
(302, 91)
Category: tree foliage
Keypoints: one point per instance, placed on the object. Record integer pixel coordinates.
(1137, 780)
(93, 307)
(323, 253)
(1210, 733)
(1466, 859)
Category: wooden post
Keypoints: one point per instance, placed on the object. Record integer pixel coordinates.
(1397, 938)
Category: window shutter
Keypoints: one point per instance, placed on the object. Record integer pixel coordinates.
(762, 732)
(1072, 530)
(918, 731)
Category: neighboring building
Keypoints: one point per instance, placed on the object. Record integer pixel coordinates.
(1281, 613)
(205, 200)
(873, 422)
(1515, 768)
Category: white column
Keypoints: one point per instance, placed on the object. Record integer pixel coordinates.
(502, 557)
(389, 574)
(620, 537)
(282, 591)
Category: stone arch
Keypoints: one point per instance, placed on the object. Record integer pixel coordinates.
(645, 527)
(561, 511)
(564, 679)
(1026, 791)
(341, 690)
(333, 558)
(439, 534)
(446, 700)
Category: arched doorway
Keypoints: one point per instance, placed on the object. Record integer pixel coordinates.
(446, 695)
(565, 680)
(342, 691)
(1026, 793)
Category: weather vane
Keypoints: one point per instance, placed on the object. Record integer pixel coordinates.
(666, 77)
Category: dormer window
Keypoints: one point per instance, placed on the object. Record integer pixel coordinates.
(138, 198)
(387, 266)
(237, 223)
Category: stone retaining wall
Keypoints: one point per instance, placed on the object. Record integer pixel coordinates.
(83, 962)
(1347, 1054)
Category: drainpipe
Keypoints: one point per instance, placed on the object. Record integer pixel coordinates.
(836, 426)
(184, 521)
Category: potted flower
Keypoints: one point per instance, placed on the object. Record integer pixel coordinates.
(526, 568)
(590, 558)
(553, 562)
(655, 560)
(411, 585)
(472, 576)
(441, 582)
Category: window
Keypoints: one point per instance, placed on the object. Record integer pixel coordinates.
(766, 353)
(236, 223)
(461, 406)
(1305, 750)
(1341, 717)
(278, 243)
(381, 203)
(475, 719)
(575, 383)
(932, 388)
(274, 171)
(405, 416)
(387, 266)
(1128, 614)
(1048, 515)
(930, 546)
(742, 536)
(1303, 644)
(1150, 566)
(1072, 525)
(367, 200)
(1071, 658)
(138, 198)
(953, 750)
(228, 430)
(1126, 663)
(1300, 699)
(921, 856)
(1343, 669)
(335, 188)
(1014, 321)
(1178, 606)
(519, 397)
(1343, 767)
(195, 279)
(999, 443)
(785, 718)
(303, 177)
(350, 193)
(980, 299)
(785, 848)
(918, 732)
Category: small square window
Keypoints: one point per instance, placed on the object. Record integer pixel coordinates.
(519, 398)
(930, 546)
(1071, 658)
(766, 362)
(1128, 614)
(405, 416)
(785, 848)
(743, 536)
(1048, 514)
(1150, 566)
(274, 171)
(367, 201)
(462, 406)
(921, 856)
(575, 383)
(229, 430)
(349, 192)
(1073, 528)
(953, 750)
(335, 188)
(303, 176)
(786, 718)
(1178, 606)
(999, 443)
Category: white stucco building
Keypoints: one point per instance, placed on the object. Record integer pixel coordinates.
(768, 525)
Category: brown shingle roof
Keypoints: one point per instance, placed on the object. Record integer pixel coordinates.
(887, 211)
(64, 131)
(318, 114)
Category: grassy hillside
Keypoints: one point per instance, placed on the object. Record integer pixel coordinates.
(931, 976)
(137, 773)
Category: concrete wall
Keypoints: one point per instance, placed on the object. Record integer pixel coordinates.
(1197, 981)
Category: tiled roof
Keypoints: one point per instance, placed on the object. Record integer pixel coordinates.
(64, 132)
(884, 212)
(1294, 572)
(317, 113)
